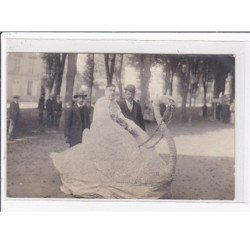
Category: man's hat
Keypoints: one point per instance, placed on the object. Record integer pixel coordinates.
(130, 88)
(80, 93)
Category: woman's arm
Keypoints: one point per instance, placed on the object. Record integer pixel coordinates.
(131, 126)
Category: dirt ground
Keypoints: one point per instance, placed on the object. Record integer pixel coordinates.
(205, 162)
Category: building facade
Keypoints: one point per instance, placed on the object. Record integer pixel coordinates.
(24, 74)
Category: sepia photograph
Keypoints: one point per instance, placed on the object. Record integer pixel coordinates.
(124, 123)
(120, 126)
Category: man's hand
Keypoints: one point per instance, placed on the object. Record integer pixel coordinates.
(132, 131)
(67, 139)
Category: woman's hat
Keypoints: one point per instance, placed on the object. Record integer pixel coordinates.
(80, 93)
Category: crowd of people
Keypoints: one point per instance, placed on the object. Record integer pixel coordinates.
(50, 110)
(78, 115)
(225, 109)
(53, 109)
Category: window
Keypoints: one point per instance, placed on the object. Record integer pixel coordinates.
(17, 65)
(29, 88)
(31, 67)
(15, 87)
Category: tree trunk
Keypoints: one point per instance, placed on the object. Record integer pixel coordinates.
(109, 69)
(173, 71)
(145, 75)
(70, 77)
(43, 87)
(205, 94)
(171, 84)
(190, 108)
(106, 59)
(118, 74)
(167, 81)
(183, 104)
(92, 68)
(59, 73)
(51, 81)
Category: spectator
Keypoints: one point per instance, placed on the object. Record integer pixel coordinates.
(14, 116)
(41, 106)
(57, 111)
(49, 110)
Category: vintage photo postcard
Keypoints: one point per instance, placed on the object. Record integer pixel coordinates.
(101, 118)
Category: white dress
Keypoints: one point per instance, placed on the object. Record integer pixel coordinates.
(108, 163)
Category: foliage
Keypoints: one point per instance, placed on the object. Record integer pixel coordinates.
(50, 69)
(109, 66)
(88, 74)
(54, 67)
(118, 74)
(190, 73)
(143, 63)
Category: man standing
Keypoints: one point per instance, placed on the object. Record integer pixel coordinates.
(130, 108)
(41, 105)
(14, 115)
(49, 110)
(76, 120)
(57, 111)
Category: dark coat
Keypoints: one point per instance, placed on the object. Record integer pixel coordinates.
(41, 104)
(75, 124)
(49, 106)
(14, 111)
(135, 115)
(57, 108)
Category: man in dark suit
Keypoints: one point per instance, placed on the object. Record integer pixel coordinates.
(76, 120)
(49, 110)
(14, 115)
(57, 111)
(130, 108)
(41, 106)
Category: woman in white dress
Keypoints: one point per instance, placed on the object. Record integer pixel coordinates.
(109, 163)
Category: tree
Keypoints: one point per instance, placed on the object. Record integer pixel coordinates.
(145, 74)
(88, 75)
(170, 65)
(118, 74)
(206, 77)
(50, 70)
(143, 62)
(54, 67)
(183, 85)
(70, 77)
(174, 64)
(196, 67)
(222, 65)
(43, 85)
(167, 77)
(165, 62)
(109, 66)
(60, 62)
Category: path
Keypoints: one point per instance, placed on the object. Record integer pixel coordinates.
(205, 166)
